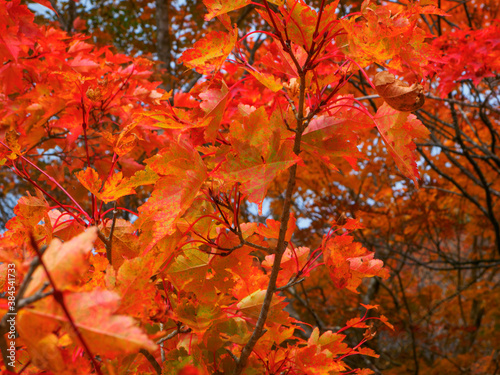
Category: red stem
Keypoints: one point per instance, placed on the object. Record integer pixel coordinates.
(82, 211)
(28, 178)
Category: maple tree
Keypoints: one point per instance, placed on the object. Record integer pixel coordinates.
(151, 262)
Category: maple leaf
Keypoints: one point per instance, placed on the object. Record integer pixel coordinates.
(399, 95)
(115, 187)
(105, 334)
(137, 293)
(17, 30)
(90, 179)
(328, 340)
(397, 130)
(214, 103)
(466, 54)
(12, 140)
(66, 262)
(336, 135)
(270, 81)
(279, 61)
(254, 171)
(197, 315)
(218, 7)
(300, 22)
(319, 355)
(292, 262)
(272, 228)
(349, 262)
(82, 64)
(124, 142)
(258, 155)
(125, 245)
(381, 37)
(191, 265)
(208, 54)
(182, 173)
(251, 305)
(29, 211)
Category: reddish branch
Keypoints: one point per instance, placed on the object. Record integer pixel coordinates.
(59, 298)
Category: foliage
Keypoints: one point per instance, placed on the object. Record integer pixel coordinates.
(153, 261)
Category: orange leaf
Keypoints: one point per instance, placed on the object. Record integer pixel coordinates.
(115, 187)
(397, 130)
(269, 80)
(218, 7)
(349, 262)
(66, 262)
(208, 54)
(182, 173)
(89, 178)
(272, 228)
(106, 334)
(398, 94)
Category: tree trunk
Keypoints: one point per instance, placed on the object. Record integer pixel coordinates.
(163, 41)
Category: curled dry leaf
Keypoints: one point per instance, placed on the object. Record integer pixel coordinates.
(398, 94)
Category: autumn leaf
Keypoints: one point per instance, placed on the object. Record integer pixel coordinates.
(300, 23)
(272, 228)
(399, 95)
(12, 140)
(30, 212)
(349, 262)
(191, 265)
(208, 54)
(268, 80)
(398, 130)
(254, 171)
(258, 154)
(292, 262)
(320, 353)
(106, 334)
(336, 135)
(90, 179)
(218, 7)
(116, 186)
(66, 262)
(213, 104)
(137, 292)
(250, 307)
(384, 38)
(182, 173)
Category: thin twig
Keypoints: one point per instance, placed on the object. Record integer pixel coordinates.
(291, 283)
(151, 360)
(108, 241)
(171, 335)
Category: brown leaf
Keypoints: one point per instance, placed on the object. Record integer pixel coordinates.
(398, 94)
